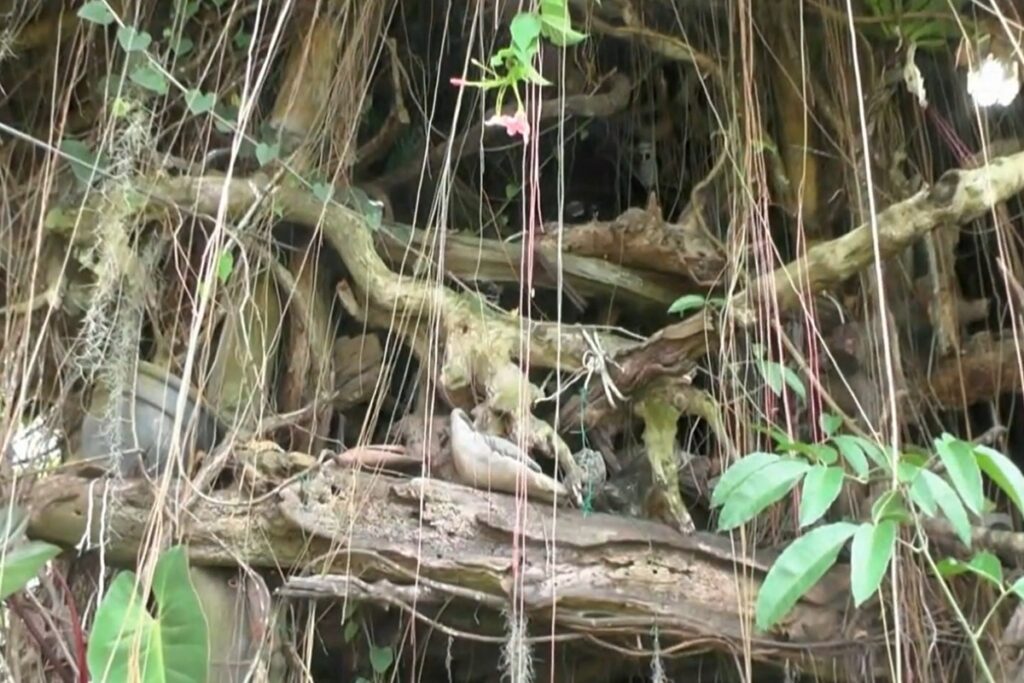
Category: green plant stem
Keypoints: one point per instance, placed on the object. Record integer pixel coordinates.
(975, 645)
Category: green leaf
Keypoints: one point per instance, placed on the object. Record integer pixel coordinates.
(181, 45)
(525, 29)
(531, 74)
(772, 373)
(756, 493)
(1018, 588)
(987, 565)
(132, 40)
(200, 103)
(852, 453)
(874, 451)
(96, 12)
(59, 219)
(351, 628)
(794, 382)
(816, 452)
(323, 191)
(821, 487)
(962, 466)
(381, 658)
(189, 9)
(1004, 472)
(922, 495)
(949, 503)
(82, 159)
(149, 78)
(890, 506)
(686, 303)
(172, 646)
(21, 563)
(823, 453)
(735, 475)
(984, 564)
(798, 568)
(558, 29)
(829, 423)
(226, 117)
(872, 549)
(225, 265)
(265, 153)
(949, 567)
(242, 39)
(13, 523)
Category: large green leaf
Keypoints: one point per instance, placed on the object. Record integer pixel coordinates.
(756, 493)
(1003, 472)
(798, 568)
(21, 563)
(873, 545)
(962, 466)
(172, 647)
(947, 500)
(822, 486)
(737, 473)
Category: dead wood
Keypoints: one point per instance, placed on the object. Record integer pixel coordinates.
(643, 239)
(469, 257)
(958, 197)
(612, 577)
(986, 369)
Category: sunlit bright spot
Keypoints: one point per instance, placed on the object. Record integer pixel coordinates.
(994, 82)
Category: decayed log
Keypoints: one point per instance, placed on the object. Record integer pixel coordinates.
(610, 577)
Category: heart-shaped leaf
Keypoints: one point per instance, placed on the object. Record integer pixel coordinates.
(128, 643)
(149, 78)
(96, 12)
(200, 103)
(83, 160)
(265, 153)
(132, 40)
(323, 191)
(798, 568)
(381, 658)
(829, 423)
(21, 563)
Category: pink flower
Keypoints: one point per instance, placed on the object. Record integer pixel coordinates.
(514, 125)
(461, 82)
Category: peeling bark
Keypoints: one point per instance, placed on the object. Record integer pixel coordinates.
(611, 577)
